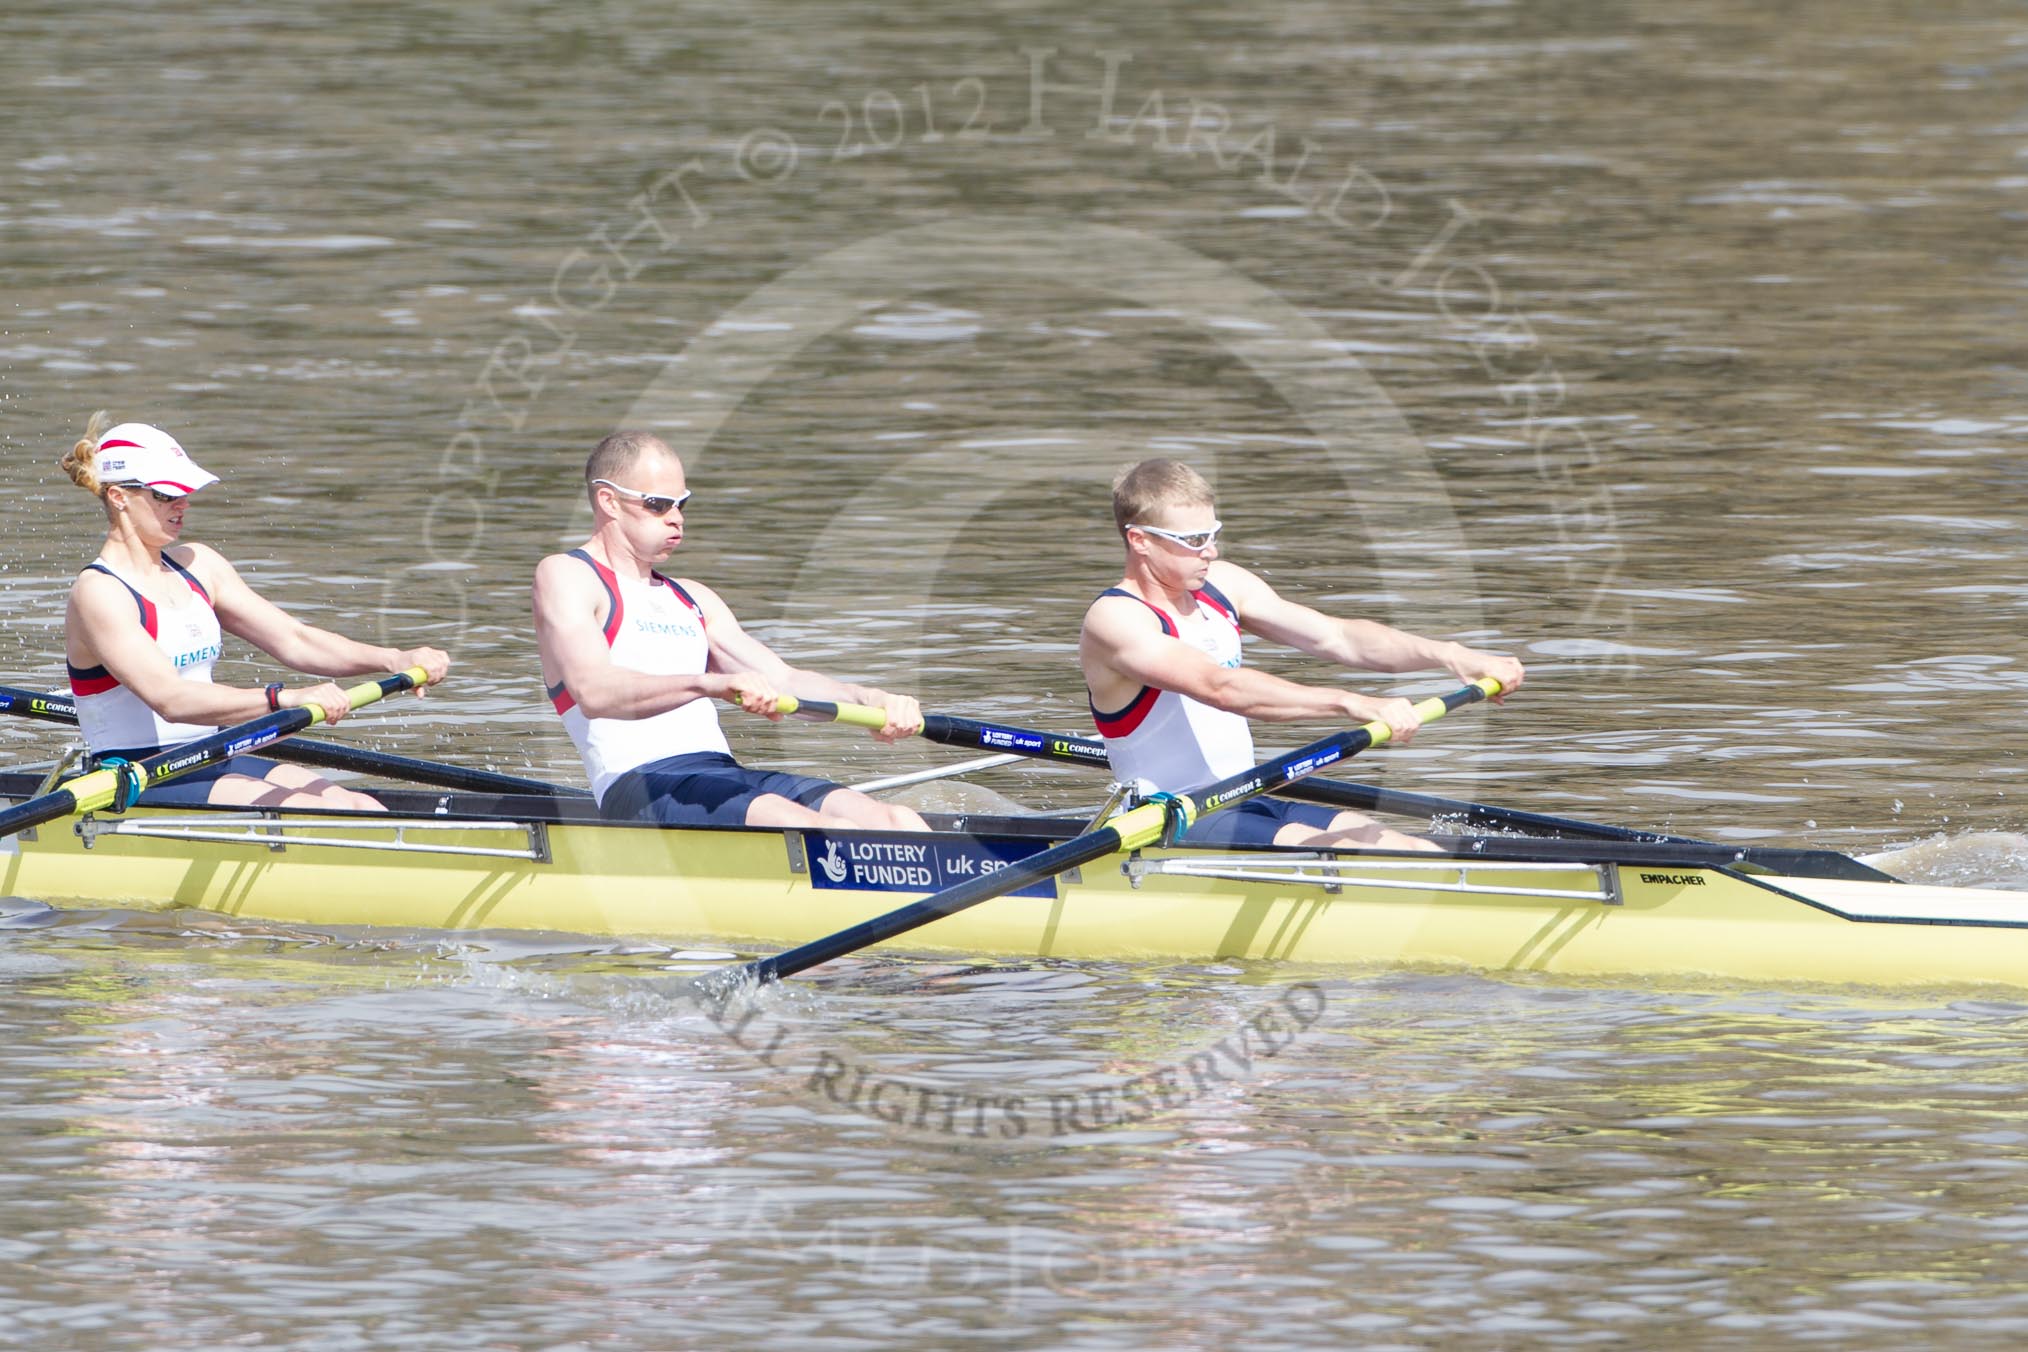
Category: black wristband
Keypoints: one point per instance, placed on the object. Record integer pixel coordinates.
(275, 695)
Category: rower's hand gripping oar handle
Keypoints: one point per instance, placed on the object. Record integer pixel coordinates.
(825, 711)
(820, 710)
(117, 787)
(359, 696)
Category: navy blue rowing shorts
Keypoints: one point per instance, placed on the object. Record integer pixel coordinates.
(702, 788)
(1255, 821)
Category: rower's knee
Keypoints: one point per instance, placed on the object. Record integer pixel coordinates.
(1376, 837)
(903, 818)
(351, 800)
(849, 807)
(771, 809)
(332, 798)
(1363, 834)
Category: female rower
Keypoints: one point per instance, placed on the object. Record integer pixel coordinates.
(142, 632)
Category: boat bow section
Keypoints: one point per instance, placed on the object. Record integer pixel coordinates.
(1907, 903)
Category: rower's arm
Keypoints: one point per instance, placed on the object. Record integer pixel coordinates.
(734, 650)
(569, 619)
(1123, 647)
(247, 614)
(569, 601)
(1364, 645)
(101, 631)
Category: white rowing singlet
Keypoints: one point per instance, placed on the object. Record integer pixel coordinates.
(112, 717)
(1166, 742)
(652, 627)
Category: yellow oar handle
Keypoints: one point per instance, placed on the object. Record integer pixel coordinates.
(853, 715)
(1429, 710)
(359, 696)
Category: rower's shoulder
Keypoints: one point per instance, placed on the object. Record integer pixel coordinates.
(198, 558)
(1117, 610)
(95, 581)
(1111, 598)
(565, 565)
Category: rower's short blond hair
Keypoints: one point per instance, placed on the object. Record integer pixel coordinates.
(614, 456)
(1140, 491)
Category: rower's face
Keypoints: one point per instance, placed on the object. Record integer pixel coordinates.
(1174, 561)
(654, 533)
(157, 518)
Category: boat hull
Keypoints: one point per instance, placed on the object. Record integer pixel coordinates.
(760, 890)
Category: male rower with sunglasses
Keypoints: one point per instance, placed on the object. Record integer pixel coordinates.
(1161, 657)
(633, 661)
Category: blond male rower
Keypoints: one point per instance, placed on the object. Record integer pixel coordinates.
(1161, 657)
(633, 661)
(144, 624)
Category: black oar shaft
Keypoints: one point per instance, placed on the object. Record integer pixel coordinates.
(971, 733)
(975, 734)
(1368, 797)
(34, 704)
(103, 787)
(967, 732)
(50, 806)
(331, 756)
(324, 755)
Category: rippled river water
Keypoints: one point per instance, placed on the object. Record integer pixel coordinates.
(1673, 347)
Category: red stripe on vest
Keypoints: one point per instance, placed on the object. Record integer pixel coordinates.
(1136, 712)
(1126, 720)
(683, 596)
(616, 615)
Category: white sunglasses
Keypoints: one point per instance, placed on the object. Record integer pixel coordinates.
(1189, 539)
(657, 503)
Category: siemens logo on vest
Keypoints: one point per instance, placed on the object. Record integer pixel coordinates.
(664, 627)
(191, 659)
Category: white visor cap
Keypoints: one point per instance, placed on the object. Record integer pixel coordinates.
(137, 453)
